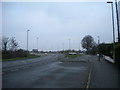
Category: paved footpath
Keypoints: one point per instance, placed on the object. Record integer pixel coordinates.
(104, 74)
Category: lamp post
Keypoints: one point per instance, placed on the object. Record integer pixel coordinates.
(63, 46)
(37, 43)
(117, 20)
(113, 30)
(27, 41)
(99, 48)
(98, 40)
(69, 43)
(79, 46)
(37, 46)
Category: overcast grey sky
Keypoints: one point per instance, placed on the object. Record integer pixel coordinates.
(54, 23)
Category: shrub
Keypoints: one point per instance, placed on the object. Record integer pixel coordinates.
(117, 53)
(13, 54)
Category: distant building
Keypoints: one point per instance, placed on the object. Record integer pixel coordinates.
(35, 50)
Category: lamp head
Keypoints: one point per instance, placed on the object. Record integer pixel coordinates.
(109, 2)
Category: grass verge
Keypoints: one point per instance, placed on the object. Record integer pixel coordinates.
(20, 58)
(72, 56)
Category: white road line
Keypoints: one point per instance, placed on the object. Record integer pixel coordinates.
(60, 62)
(14, 70)
(23, 67)
(89, 77)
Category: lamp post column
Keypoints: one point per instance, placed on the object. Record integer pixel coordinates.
(27, 41)
(113, 31)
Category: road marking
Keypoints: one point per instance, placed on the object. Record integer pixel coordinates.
(24, 67)
(60, 62)
(89, 77)
(23, 61)
(14, 70)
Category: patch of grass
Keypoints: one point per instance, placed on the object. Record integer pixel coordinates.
(18, 58)
(72, 56)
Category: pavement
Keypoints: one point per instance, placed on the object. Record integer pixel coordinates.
(56, 71)
(104, 74)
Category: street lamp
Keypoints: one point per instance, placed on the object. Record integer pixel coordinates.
(98, 40)
(79, 46)
(117, 20)
(69, 44)
(99, 48)
(113, 30)
(37, 46)
(63, 46)
(37, 43)
(27, 41)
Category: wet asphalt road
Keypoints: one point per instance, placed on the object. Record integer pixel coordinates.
(9, 66)
(45, 72)
(55, 71)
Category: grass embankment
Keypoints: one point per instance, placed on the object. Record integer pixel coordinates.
(20, 58)
(73, 56)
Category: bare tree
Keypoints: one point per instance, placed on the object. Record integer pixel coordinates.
(88, 42)
(5, 42)
(13, 45)
(9, 44)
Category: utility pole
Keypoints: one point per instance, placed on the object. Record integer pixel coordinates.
(117, 20)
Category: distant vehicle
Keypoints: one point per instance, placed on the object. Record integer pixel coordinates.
(33, 53)
(45, 53)
(72, 53)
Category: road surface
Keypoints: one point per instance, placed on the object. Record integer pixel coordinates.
(55, 71)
